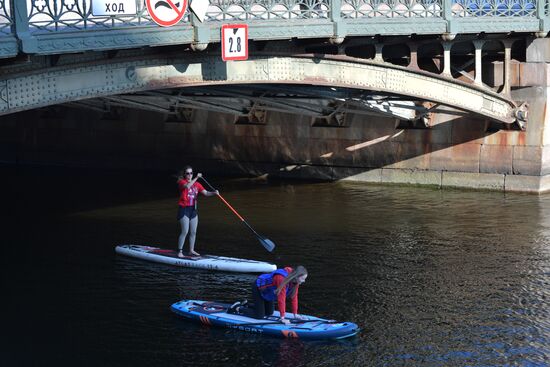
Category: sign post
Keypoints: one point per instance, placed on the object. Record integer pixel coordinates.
(234, 42)
(166, 13)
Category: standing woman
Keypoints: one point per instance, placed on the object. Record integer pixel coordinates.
(187, 207)
(279, 284)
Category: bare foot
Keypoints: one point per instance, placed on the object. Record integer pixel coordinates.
(194, 253)
(180, 254)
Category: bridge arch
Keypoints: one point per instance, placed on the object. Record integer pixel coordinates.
(77, 82)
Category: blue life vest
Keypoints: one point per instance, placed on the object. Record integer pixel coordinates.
(266, 287)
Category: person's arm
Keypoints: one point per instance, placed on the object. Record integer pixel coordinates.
(295, 304)
(192, 182)
(210, 193)
(281, 298)
(205, 192)
(295, 301)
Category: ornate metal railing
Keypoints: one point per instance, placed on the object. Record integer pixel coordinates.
(43, 25)
(228, 10)
(5, 17)
(71, 15)
(391, 9)
(495, 8)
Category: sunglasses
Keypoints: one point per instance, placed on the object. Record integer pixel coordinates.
(189, 173)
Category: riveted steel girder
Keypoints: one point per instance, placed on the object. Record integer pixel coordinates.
(71, 83)
(241, 103)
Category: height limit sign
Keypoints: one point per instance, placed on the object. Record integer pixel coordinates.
(234, 42)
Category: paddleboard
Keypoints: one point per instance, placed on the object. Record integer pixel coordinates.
(209, 262)
(310, 327)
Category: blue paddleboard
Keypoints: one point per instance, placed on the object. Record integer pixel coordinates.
(310, 327)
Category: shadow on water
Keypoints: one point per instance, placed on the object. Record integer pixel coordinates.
(432, 277)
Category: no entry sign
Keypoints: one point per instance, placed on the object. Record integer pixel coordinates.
(166, 13)
(234, 42)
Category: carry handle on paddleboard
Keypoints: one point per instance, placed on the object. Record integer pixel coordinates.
(267, 243)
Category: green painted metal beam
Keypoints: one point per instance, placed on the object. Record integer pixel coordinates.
(76, 82)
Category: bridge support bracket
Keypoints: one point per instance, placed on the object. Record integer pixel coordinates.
(339, 33)
(195, 46)
(201, 34)
(448, 36)
(521, 114)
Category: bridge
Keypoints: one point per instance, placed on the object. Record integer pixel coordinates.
(408, 61)
(58, 26)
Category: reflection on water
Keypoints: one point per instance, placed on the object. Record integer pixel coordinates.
(432, 277)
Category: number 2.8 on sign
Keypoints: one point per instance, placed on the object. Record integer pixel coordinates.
(234, 42)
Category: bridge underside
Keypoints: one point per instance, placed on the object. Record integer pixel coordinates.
(250, 103)
(324, 87)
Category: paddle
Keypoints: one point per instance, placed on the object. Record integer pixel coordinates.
(267, 243)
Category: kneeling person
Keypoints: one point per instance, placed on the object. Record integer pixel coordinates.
(275, 285)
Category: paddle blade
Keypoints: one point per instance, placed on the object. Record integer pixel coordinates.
(267, 243)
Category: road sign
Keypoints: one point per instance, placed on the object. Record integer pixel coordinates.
(166, 13)
(234, 42)
(113, 7)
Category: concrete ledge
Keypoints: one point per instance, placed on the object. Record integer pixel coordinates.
(530, 184)
(544, 184)
(480, 181)
(469, 180)
(411, 177)
(374, 175)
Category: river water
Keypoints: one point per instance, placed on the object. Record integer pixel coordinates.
(432, 277)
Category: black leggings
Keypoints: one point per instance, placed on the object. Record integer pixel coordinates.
(260, 307)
